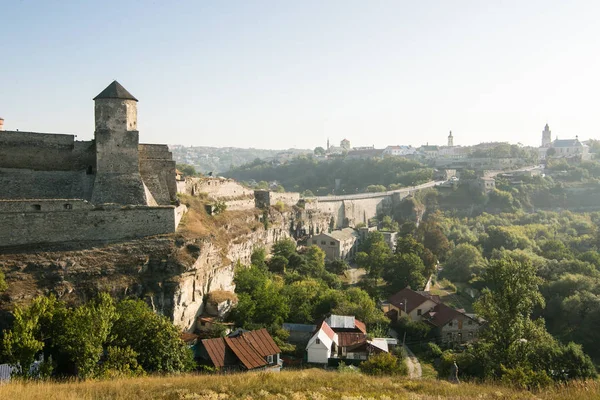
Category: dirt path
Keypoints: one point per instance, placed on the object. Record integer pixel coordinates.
(354, 275)
(413, 364)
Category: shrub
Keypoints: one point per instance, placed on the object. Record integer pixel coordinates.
(383, 364)
(525, 378)
(433, 351)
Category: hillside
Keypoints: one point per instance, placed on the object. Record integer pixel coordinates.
(297, 385)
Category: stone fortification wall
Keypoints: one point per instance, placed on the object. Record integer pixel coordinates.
(240, 204)
(215, 188)
(158, 172)
(33, 184)
(43, 205)
(45, 152)
(81, 223)
(266, 198)
(351, 210)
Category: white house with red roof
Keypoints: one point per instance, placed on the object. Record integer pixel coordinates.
(321, 345)
(343, 337)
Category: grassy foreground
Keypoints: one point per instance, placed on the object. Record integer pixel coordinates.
(297, 385)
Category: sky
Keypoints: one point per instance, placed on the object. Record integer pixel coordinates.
(291, 74)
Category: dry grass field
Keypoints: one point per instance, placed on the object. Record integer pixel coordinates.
(297, 385)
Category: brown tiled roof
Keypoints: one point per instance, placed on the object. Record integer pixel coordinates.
(412, 298)
(246, 353)
(216, 351)
(441, 315)
(262, 342)
(346, 339)
(360, 326)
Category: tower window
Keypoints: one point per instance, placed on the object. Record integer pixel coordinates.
(36, 207)
(89, 170)
(68, 206)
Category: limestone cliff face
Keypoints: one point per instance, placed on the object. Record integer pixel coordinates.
(172, 273)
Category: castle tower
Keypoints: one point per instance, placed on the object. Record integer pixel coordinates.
(450, 140)
(546, 136)
(118, 178)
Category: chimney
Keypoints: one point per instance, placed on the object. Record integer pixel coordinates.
(1, 124)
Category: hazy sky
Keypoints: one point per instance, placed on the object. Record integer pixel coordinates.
(279, 74)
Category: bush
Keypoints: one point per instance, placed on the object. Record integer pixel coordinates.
(525, 378)
(383, 364)
(433, 351)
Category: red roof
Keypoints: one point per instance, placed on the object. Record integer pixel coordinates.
(327, 329)
(246, 354)
(360, 326)
(441, 315)
(346, 339)
(412, 299)
(216, 351)
(261, 342)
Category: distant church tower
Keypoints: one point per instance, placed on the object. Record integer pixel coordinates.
(118, 178)
(450, 140)
(546, 136)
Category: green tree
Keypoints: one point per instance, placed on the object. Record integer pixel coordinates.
(30, 330)
(284, 247)
(85, 329)
(259, 257)
(154, 338)
(319, 151)
(464, 261)
(507, 304)
(188, 170)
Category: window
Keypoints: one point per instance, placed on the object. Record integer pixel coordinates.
(331, 243)
(323, 242)
(419, 311)
(450, 323)
(318, 341)
(68, 206)
(470, 322)
(36, 207)
(270, 359)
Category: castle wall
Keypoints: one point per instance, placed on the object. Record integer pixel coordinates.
(30, 184)
(158, 172)
(52, 226)
(45, 152)
(215, 188)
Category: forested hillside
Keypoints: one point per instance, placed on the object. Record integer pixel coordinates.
(319, 177)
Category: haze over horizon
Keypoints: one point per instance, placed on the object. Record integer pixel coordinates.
(273, 75)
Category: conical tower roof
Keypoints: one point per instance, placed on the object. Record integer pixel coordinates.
(115, 91)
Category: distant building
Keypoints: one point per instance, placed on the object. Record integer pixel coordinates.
(450, 140)
(564, 148)
(449, 324)
(345, 144)
(430, 151)
(399, 150)
(364, 153)
(337, 245)
(546, 136)
(484, 184)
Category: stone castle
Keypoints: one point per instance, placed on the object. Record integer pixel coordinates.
(56, 189)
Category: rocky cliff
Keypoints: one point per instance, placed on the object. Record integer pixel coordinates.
(172, 273)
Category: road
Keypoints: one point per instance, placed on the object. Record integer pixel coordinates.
(413, 364)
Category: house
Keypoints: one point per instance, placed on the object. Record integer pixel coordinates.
(450, 325)
(242, 350)
(321, 345)
(343, 338)
(364, 154)
(399, 150)
(429, 151)
(484, 184)
(299, 333)
(570, 148)
(337, 245)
